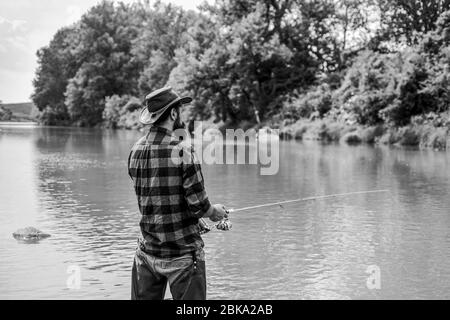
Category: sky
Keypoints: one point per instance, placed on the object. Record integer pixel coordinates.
(26, 26)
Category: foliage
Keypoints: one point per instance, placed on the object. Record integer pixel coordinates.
(410, 100)
(424, 136)
(121, 112)
(5, 114)
(57, 65)
(424, 85)
(102, 56)
(353, 20)
(408, 20)
(260, 52)
(369, 86)
(106, 34)
(113, 108)
(165, 29)
(53, 116)
(366, 62)
(314, 103)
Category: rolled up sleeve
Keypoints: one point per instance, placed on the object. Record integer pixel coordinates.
(193, 185)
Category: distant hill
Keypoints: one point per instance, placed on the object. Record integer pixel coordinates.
(20, 111)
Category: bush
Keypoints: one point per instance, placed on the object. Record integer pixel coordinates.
(368, 87)
(388, 138)
(286, 134)
(112, 111)
(405, 136)
(333, 131)
(371, 134)
(411, 100)
(424, 136)
(54, 116)
(367, 107)
(439, 139)
(435, 138)
(409, 136)
(300, 129)
(352, 138)
(5, 114)
(432, 119)
(122, 112)
(323, 130)
(130, 120)
(132, 105)
(315, 102)
(437, 45)
(424, 84)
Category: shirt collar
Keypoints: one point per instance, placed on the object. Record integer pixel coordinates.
(157, 129)
(159, 135)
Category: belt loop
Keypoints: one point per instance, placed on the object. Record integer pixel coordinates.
(194, 259)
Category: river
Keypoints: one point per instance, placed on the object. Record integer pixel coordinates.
(73, 184)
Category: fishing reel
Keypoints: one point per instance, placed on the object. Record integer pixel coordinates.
(223, 225)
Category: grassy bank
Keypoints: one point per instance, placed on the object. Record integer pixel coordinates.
(433, 134)
(426, 131)
(18, 112)
(417, 135)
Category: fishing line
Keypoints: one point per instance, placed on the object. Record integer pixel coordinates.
(226, 225)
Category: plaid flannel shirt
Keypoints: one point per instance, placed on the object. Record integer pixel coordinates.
(171, 194)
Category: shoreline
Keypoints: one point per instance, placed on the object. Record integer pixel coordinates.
(19, 123)
(421, 136)
(424, 136)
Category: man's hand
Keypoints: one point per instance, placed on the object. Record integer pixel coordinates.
(218, 213)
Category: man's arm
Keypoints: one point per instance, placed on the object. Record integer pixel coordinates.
(128, 164)
(194, 187)
(195, 193)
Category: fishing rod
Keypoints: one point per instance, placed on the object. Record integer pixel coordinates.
(225, 224)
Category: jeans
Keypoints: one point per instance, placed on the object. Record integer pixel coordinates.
(185, 275)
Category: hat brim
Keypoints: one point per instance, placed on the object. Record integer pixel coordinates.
(146, 117)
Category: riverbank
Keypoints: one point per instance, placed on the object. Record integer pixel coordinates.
(18, 112)
(427, 132)
(414, 135)
(18, 124)
(430, 131)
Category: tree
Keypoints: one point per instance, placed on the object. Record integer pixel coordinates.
(5, 114)
(354, 24)
(408, 20)
(262, 50)
(245, 60)
(437, 46)
(194, 74)
(107, 66)
(164, 31)
(57, 64)
(113, 50)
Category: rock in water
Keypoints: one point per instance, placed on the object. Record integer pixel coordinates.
(30, 233)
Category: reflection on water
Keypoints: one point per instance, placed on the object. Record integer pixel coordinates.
(72, 183)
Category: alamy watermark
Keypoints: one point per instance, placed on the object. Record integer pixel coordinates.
(373, 282)
(235, 147)
(73, 282)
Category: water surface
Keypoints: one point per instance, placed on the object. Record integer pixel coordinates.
(73, 184)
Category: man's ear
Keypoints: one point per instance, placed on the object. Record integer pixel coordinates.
(174, 114)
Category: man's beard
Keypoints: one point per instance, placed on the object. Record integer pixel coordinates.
(178, 124)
